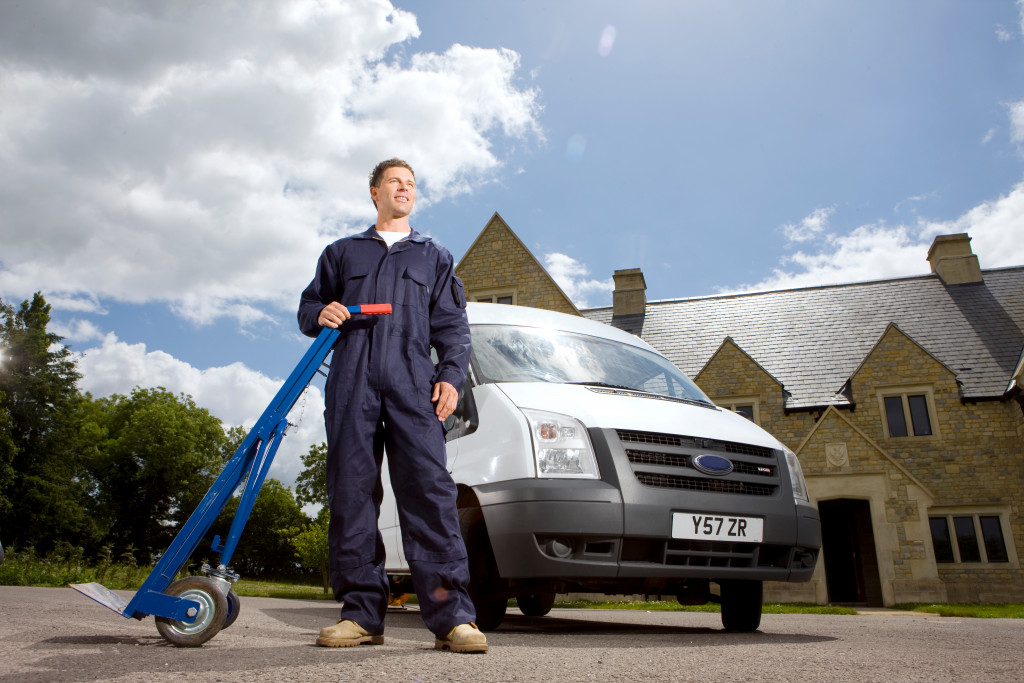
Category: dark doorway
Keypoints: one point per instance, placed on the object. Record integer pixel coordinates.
(848, 544)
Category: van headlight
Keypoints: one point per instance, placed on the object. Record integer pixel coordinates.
(561, 447)
(796, 476)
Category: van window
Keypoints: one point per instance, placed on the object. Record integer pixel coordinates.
(505, 353)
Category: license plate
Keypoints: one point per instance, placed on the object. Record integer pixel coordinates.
(709, 527)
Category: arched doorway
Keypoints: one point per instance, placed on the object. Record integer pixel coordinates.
(848, 546)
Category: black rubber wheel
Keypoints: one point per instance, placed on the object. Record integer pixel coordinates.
(234, 607)
(213, 611)
(484, 580)
(537, 604)
(741, 605)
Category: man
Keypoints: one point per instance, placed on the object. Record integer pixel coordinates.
(383, 392)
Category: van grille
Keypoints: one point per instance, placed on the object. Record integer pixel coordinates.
(667, 463)
(655, 438)
(669, 481)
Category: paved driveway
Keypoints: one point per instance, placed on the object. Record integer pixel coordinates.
(56, 634)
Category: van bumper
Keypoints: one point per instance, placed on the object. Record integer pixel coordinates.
(575, 531)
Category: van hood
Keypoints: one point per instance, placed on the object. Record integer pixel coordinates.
(606, 410)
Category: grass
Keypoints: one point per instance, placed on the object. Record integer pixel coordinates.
(66, 565)
(975, 610)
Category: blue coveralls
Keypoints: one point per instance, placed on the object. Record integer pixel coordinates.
(378, 397)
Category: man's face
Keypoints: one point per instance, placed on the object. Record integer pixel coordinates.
(396, 193)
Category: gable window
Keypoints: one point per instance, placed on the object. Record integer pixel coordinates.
(747, 406)
(495, 297)
(908, 412)
(966, 537)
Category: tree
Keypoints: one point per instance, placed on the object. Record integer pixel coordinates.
(265, 548)
(44, 485)
(310, 543)
(311, 484)
(160, 456)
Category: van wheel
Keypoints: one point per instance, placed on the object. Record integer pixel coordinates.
(537, 604)
(484, 583)
(741, 605)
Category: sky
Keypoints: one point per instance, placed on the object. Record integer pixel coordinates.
(170, 170)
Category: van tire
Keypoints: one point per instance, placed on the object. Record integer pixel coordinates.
(536, 604)
(485, 582)
(741, 605)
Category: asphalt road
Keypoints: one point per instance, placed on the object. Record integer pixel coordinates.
(56, 634)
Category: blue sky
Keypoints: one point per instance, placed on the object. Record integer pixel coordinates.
(170, 172)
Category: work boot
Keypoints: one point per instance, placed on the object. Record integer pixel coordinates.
(463, 638)
(347, 633)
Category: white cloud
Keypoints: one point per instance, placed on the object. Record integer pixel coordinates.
(879, 251)
(1017, 122)
(1002, 34)
(810, 227)
(571, 276)
(202, 154)
(235, 394)
(77, 330)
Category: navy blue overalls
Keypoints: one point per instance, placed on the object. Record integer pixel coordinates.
(378, 397)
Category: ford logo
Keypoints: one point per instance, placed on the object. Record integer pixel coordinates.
(712, 464)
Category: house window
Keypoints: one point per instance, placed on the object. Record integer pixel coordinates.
(744, 405)
(495, 297)
(908, 412)
(959, 538)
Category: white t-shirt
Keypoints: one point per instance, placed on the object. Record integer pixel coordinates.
(391, 237)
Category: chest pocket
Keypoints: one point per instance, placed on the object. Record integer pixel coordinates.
(414, 290)
(354, 286)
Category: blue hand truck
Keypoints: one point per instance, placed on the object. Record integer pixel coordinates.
(194, 609)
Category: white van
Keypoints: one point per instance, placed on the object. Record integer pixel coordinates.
(588, 463)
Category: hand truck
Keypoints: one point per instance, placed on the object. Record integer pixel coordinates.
(194, 609)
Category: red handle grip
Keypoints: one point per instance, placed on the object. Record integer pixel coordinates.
(371, 309)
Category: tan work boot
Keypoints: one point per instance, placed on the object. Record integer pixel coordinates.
(347, 633)
(463, 638)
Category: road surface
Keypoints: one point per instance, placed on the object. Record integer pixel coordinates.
(56, 634)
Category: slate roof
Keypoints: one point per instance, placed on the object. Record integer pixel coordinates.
(813, 339)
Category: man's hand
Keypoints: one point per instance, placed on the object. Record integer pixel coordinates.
(333, 315)
(446, 398)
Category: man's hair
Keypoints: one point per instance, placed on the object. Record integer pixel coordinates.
(378, 170)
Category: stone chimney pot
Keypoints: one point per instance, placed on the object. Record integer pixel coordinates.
(952, 259)
(630, 295)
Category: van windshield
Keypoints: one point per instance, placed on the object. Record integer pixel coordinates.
(504, 353)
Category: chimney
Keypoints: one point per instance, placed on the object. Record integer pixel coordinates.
(629, 297)
(953, 261)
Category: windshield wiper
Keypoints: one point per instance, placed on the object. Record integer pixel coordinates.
(683, 399)
(606, 385)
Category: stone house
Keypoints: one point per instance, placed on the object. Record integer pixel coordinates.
(901, 398)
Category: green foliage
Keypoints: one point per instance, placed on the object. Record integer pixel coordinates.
(160, 455)
(310, 545)
(114, 477)
(45, 486)
(311, 484)
(65, 564)
(265, 547)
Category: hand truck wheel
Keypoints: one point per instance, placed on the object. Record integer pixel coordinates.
(213, 612)
(234, 607)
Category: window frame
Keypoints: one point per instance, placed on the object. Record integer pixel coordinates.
(494, 294)
(904, 393)
(975, 513)
(730, 403)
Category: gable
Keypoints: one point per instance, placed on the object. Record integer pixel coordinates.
(499, 263)
(732, 372)
(897, 359)
(835, 445)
